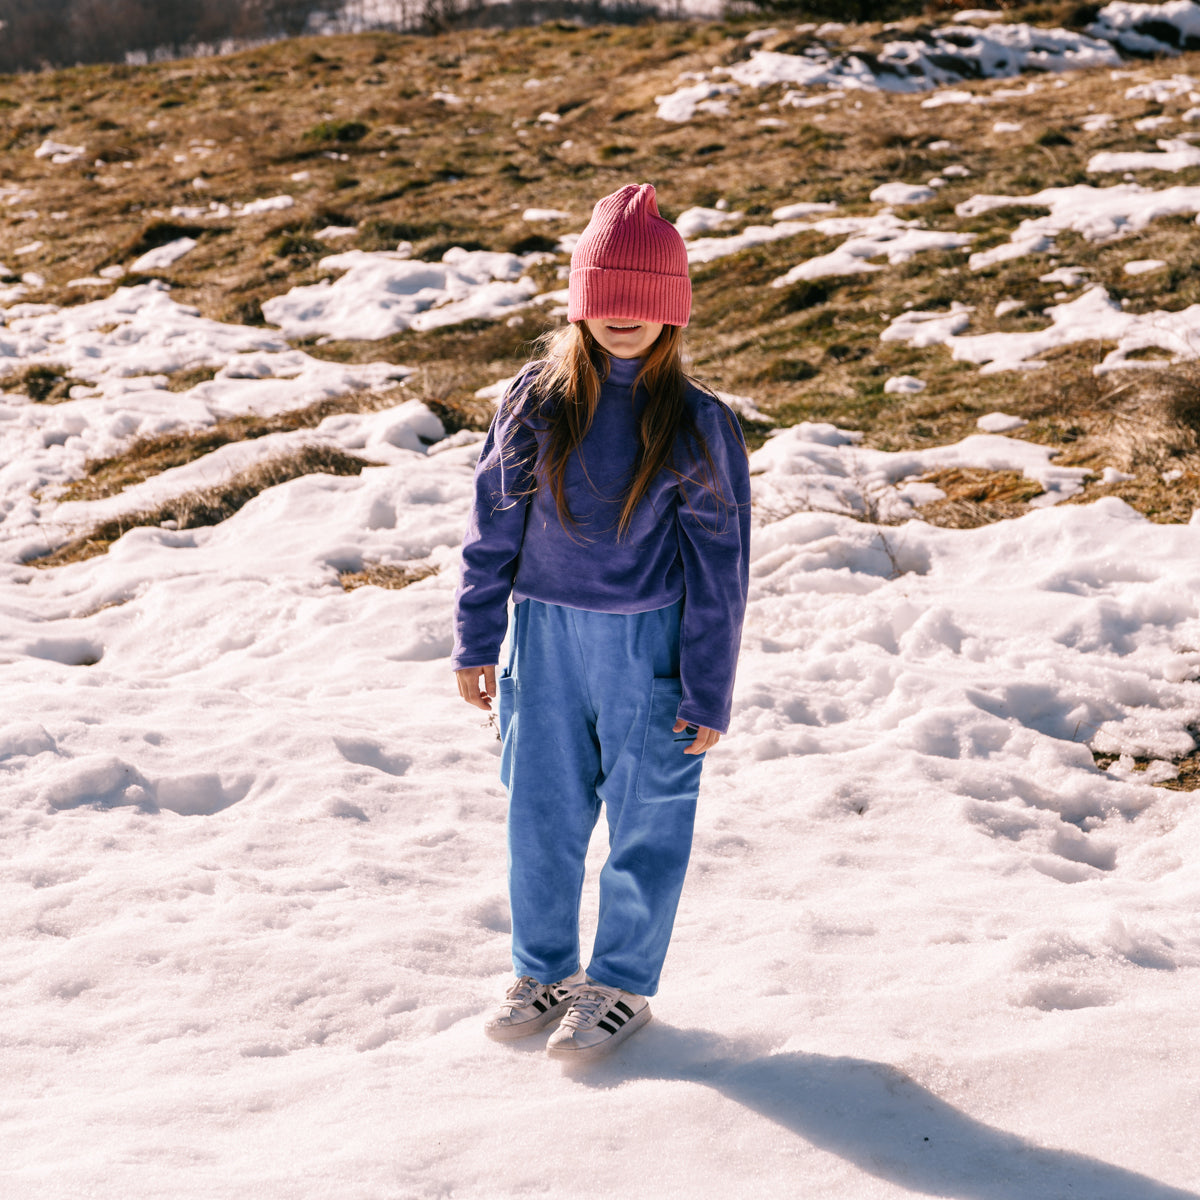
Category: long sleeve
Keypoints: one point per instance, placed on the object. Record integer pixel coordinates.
(495, 531)
(714, 545)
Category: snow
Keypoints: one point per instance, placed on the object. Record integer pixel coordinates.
(697, 220)
(942, 57)
(1161, 91)
(903, 385)
(871, 237)
(1112, 475)
(1067, 276)
(683, 103)
(1146, 29)
(1141, 266)
(819, 467)
(949, 96)
(254, 904)
(1098, 214)
(920, 329)
(268, 204)
(163, 256)
(802, 209)
(708, 249)
(545, 214)
(254, 898)
(1092, 316)
(1173, 154)
(998, 422)
(59, 153)
(902, 193)
(946, 56)
(385, 292)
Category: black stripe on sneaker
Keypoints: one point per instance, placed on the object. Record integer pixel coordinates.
(613, 1015)
(539, 1006)
(625, 1008)
(605, 1026)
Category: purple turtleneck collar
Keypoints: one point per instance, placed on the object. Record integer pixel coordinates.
(622, 371)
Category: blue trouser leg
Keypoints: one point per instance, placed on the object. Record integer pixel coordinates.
(586, 709)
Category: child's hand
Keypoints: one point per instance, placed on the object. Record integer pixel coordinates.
(705, 738)
(469, 689)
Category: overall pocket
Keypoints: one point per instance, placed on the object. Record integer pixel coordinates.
(665, 773)
(506, 703)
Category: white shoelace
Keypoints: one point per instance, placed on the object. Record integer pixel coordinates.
(521, 992)
(589, 1003)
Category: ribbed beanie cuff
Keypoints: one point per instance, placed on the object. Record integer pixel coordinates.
(629, 263)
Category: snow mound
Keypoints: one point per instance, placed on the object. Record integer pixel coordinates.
(385, 292)
(1092, 316)
(1098, 214)
(163, 256)
(683, 103)
(813, 467)
(945, 56)
(697, 220)
(885, 235)
(903, 193)
(1172, 155)
(1146, 29)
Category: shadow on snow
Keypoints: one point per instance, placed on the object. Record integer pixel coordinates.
(877, 1118)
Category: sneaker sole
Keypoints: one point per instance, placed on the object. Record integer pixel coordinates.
(566, 1052)
(510, 1033)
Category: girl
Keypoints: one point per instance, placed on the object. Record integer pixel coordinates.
(612, 503)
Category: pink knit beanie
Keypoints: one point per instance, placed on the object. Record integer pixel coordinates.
(630, 263)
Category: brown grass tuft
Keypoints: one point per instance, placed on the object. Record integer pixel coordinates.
(208, 506)
(385, 575)
(1188, 779)
(43, 383)
(977, 497)
(151, 456)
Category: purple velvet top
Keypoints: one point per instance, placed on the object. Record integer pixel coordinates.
(683, 542)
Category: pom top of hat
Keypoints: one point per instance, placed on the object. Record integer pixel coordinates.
(630, 263)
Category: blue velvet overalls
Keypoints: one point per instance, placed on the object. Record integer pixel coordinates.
(587, 707)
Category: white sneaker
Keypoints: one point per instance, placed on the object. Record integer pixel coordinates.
(599, 1018)
(529, 1006)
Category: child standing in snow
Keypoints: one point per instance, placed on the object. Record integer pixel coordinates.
(612, 503)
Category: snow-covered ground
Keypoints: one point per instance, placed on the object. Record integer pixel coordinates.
(254, 901)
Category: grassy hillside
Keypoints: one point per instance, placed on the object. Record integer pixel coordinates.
(357, 116)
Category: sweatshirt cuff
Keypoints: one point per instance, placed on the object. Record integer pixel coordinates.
(693, 716)
(463, 662)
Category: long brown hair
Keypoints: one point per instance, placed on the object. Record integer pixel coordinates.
(566, 389)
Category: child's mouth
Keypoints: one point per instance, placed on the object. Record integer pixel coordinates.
(623, 328)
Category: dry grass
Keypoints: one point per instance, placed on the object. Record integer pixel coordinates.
(385, 575)
(43, 383)
(207, 506)
(977, 497)
(150, 456)
(1188, 779)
